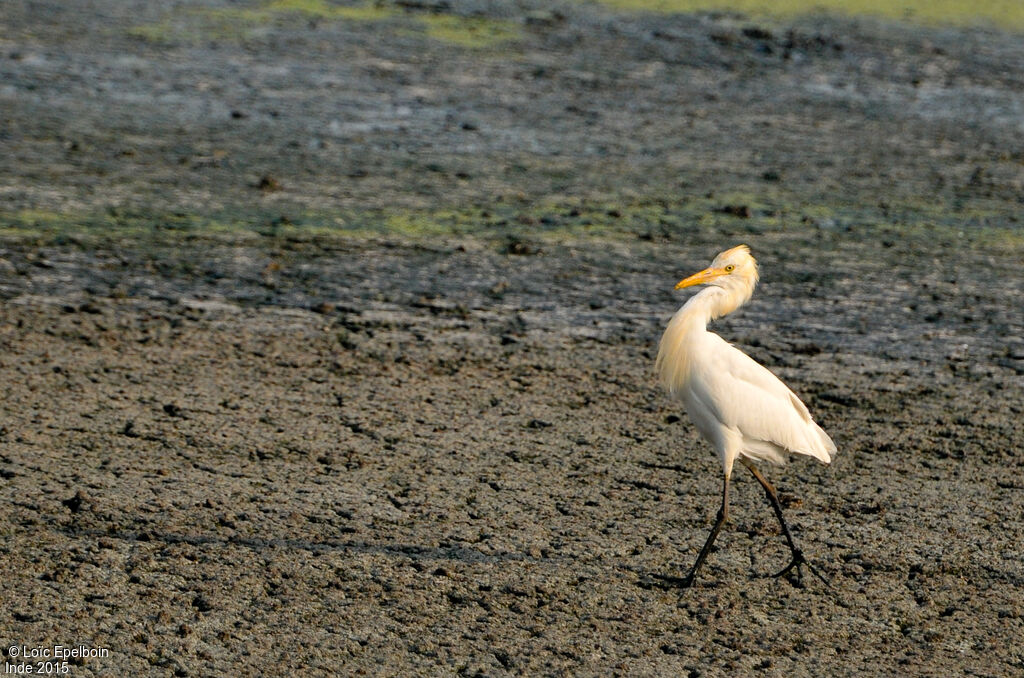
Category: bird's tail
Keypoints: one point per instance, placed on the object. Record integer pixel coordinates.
(828, 447)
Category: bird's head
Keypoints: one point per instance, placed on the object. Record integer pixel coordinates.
(733, 270)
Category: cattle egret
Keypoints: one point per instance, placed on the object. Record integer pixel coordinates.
(738, 406)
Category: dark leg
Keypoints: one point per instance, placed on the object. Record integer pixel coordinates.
(723, 515)
(773, 499)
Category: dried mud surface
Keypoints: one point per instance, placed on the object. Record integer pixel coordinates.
(252, 454)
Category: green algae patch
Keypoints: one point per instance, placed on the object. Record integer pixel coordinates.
(307, 9)
(195, 25)
(91, 228)
(559, 219)
(239, 23)
(325, 10)
(1006, 14)
(471, 32)
(192, 26)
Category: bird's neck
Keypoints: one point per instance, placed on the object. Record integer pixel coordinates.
(687, 329)
(710, 304)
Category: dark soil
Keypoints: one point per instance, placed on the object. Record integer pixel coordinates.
(327, 346)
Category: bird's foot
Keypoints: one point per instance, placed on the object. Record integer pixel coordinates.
(796, 563)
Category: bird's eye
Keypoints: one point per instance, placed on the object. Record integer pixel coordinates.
(729, 268)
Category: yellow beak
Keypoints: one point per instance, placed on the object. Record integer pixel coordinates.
(707, 275)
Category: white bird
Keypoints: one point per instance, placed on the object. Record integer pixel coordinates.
(738, 406)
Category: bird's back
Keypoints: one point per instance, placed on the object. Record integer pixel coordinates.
(742, 408)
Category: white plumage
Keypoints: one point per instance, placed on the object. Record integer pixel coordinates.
(738, 406)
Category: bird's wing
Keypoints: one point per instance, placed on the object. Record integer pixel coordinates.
(745, 396)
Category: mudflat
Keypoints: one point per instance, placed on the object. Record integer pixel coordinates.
(328, 337)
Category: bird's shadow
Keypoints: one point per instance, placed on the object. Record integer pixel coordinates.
(668, 582)
(348, 547)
